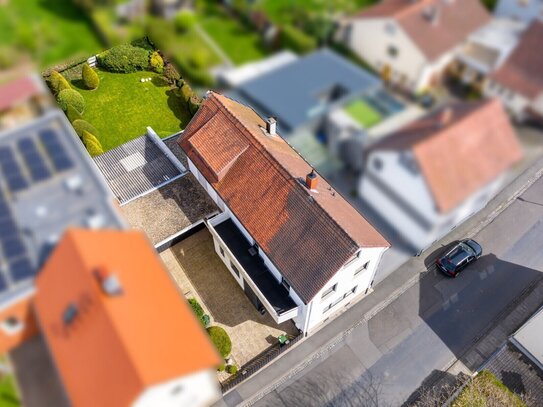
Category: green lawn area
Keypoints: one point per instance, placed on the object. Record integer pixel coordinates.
(122, 107)
(363, 113)
(238, 42)
(487, 390)
(51, 31)
(8, 394)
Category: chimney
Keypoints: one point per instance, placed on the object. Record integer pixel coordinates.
(271, 126)
(311, 180)
(445, 116)
(108, 281)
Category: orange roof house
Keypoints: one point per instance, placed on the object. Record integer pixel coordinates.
(115, 324)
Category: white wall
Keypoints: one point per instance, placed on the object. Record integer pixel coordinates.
(197, 390)
(515, 103)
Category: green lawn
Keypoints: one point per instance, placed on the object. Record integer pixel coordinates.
(8, 394)
(363, 113)
(51, 31)
(238, 42)
(122, 107)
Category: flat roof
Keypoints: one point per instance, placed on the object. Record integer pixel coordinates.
(305, 89)
(47, 183)
(529, 338)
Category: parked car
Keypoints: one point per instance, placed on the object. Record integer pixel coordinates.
(459, 257)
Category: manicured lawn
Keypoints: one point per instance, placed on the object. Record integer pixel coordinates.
(8, 394)
(51, 31)
(122, 107)
(487, 390)
(239, 43)
(363, 113)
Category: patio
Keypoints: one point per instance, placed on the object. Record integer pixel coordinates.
(201, 274)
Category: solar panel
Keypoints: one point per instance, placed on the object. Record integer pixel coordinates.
(33, 159)
(13, 247)
(20, 270)
(59, 157)
(11, 170)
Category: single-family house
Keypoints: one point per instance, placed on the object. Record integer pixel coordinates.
(518, 82)
(432, 174)
(291, 241)
(520, 10)
(119, 331)
(412, 42)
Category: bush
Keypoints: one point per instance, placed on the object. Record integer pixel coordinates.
(156, 62)
(57, 82)
(92, 144)
(73, 114)
(186, 92)
(90, 77)
(81, 126)
(185, 20)
(71, 97)
(124, 59)
(194, 103)
(221, 340)
(232, 369)
(296, 40)
(221, 367)
(199, 312)
(171, 74)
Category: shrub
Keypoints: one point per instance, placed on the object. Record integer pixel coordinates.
(73, 114)
(57, 82)
(90, 77)
(156, 62)
(220, 339)
(221, 367)
(71, 97)
(186, 92)
(81, 125)
(185, 20)
(199, 312)
(171, 74)
(124, 59)
(92, 144)
(296, 40)
(232, 369)
(194, 103)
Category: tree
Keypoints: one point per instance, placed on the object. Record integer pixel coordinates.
(73, 114)
(57, 82)
(81, 126)
(171, 74)
(156, 62)
(90, 77)
(72, 97)
(92, 144)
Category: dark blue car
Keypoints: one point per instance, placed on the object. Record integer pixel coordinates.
(459, 257)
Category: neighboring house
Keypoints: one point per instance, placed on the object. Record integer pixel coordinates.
(519, 80)
(520, 10)
(48, 183)
(294, 245)
(412, 42)
(487, 49)
(434, 173)
(169, 8)
(117, 328)
(527, 339)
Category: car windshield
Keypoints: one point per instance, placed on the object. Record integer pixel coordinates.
(460, 253)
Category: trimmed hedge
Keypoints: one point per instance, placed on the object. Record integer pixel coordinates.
(232, 369)
(156, 62)
(90, 77)
(57, 82)
(81, 126)
(124, 59)
(171, 74)
(71, 97)
(296, 40)
(220, 339)
(92, 144)
(199, 312)
(73, 114)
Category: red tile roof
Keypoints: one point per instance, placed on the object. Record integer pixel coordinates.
(116, 346)
(523, 69)
(455, 21)
(308, 235)
(17, 91)
(476, 145)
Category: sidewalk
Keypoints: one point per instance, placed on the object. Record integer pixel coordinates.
(323, 342)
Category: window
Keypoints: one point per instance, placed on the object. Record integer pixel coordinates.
(390, 28)
(222, 251)
(336, 302)
(377, 164)
(361, 269)
(177, 390)
(329, 291)
(352, 260)
(392, 51)
(12, 325)
(234, 268)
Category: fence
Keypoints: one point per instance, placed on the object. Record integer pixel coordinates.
(253, 366)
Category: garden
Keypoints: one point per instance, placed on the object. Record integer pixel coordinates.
(131, 88)
(363, 113)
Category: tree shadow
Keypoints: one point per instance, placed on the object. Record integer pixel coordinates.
(179, 108)
(79, 84)
(159, 81)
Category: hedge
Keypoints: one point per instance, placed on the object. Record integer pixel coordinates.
(171, 74)
(124, 59)
(156, 62)
(90, 77)
(199, 312)
(73, 114)
(71, 97)
(296, 40)
(81, 125)
(92, 144)
(232, 369)
(57, 82)
(221, 340)
(64, 66)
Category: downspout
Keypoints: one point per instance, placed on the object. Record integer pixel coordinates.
(306, 325)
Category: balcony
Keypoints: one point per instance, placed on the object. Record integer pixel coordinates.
(271, 294)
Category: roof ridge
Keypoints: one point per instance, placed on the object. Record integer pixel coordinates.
(323, 213)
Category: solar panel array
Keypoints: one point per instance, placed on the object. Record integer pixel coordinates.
(24, 163)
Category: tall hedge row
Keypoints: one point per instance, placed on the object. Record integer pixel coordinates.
(90, 77)
(124, 59)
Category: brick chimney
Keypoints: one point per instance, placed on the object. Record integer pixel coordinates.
(445, 116)
(271, 126)
(311, 180)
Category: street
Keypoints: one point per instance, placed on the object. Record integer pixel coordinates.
(431, 324)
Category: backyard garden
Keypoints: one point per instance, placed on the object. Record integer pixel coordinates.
(131, 88)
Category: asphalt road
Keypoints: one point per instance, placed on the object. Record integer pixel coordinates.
(430, 325)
